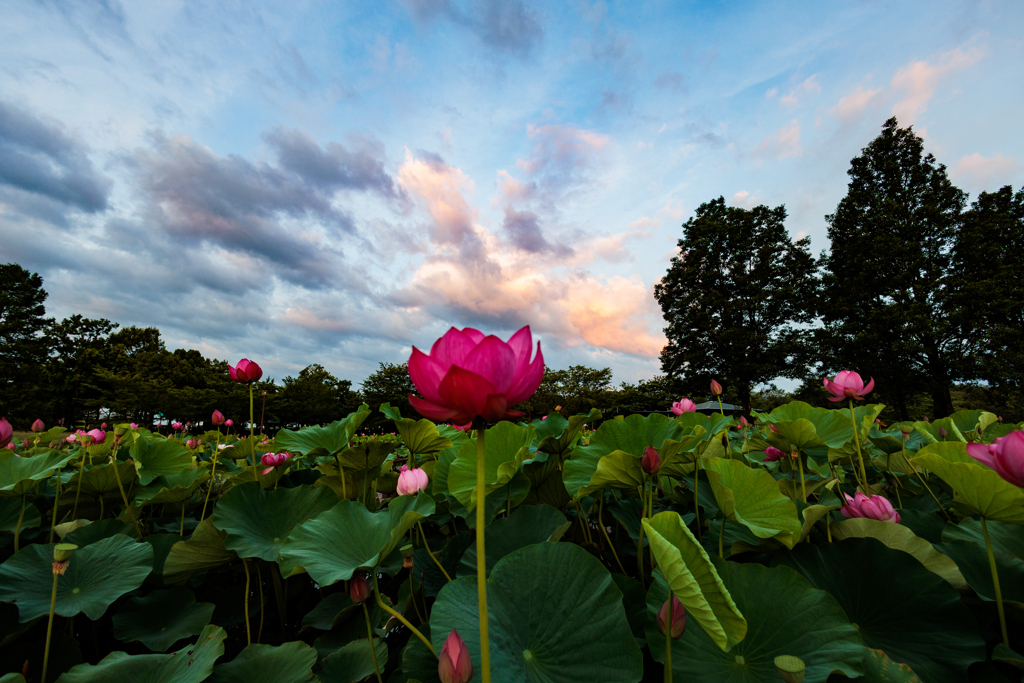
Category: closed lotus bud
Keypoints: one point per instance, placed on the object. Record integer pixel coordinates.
(229, 423)
(103, 425)
(192, 443)
(38, 426)
(790, 668)
(6, 431)
(651, 461)
(24, 443)
(743, 422)
(11, 446)
(678, 618)
(217, 418)
(772, 454)
(359, 588)
(716, 388)
(245, 372)
(942, 432)
(454, 664)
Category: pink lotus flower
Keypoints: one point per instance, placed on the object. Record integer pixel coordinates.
(10, 446)
(6, 431)
(192, 443)
(38, 426)
(716, 388)
(772, 454)
(411, 480)
(848, 384)
(229, 423)
(1005, 456)
(463, 428)
(217, 418)
(678, 618)
(176, 426)
(245, 372)
(72, 438)
(684, 406)
(454, 664)
(103, 425)
(24, 443)
(98, 435)
(469, 375)
(359, 588)
(651, 461)
(272, 460)
(873, 507)
(743, 423)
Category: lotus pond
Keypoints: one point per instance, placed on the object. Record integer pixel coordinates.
(858, 550)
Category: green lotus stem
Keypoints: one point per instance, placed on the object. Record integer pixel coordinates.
(259, 581)
(181, 532)
(640, 545)
(396, 615)
(860, 456)
(696, 493)
(248, 630)
(427, 546)
(124, 496)
(481, 557)
(925, 484)
(49, 628)
(78, 491)
(721, 549)
(600, 523)
(341, 473)
(668, 639)
(56, 502)
(583, 526)
(279, 596)
(213, 471)
(252, 441)
(800, 463)
(895, 479)
(373, 650)
(101, 507)
(995, 582)
(650, 514)
(21, 517)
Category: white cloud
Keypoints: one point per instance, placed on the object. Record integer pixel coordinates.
(918, 81)
(785, 142)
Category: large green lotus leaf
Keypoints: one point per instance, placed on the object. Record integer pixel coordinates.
(14, 509)
(973, 420)
(506, 445)
(172, 489)
(354, 661)
(101, 479)
(96, 576)
(190, 664)
(258, 521)
(12, 678)
(688, 570)
(90, 532)
(204, 550)
(18, 475)
(154, 457)
(980, 490)
(631, 435)
(289, 663)
(331, 438)
(419, 436)
(899, 607)
(162, 618)
(800, 433)
(560, 441)
(419, 663)
(366, 457)
(331, 546)
(752, 498)
(617, 470)
(526, 525)
(785, 616)
(831, 426)
(554, 614)
(899, 537)
(953, 451)
(710, 424)
(965, 544)
(878, 668)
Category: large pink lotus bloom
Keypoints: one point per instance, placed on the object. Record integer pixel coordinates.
(1005, 456)
(6, 432)
(454, 664)
(217, 418)
(38, 426)
(411, 480)
(245, 372)
(176, 426)
(469, 375)
(848, 384)
(684, 406)
(98, 435)
(272, 460)
(873, 507)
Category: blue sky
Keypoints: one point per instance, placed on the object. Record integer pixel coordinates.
(310, 182)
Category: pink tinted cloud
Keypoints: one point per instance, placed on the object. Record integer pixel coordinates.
(440, 187)
(918, 81)
(986, 172)
(810, 86)
(853, 105)
(561, 148)
(785, 142)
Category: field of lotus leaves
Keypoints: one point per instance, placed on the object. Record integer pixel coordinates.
(802, 544)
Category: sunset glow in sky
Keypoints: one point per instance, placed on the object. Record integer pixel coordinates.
(323, 182)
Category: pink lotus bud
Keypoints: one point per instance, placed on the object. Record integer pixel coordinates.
(6, 431)
(229, 423)
(684, 406)
(411, 480)
(651, 461)
(133, 425)
(846, 385)
(773, 428)
(192, 443)
(245, 372)
(468, 375)
(272, 460)
(24, 443)
(10, 446)
(38, 426)
(177, 426)
(716, 388)
(772, 454)
(678, 618)
(218, 418)
(103, 425)
(873, 507)
(1005, 455)
(454, 664)
(188, 424)
(743, 423)
(359, 588)
(942, 432)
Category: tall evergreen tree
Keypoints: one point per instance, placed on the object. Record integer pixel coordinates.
(23, 347)
(886, 300)
(731, 299)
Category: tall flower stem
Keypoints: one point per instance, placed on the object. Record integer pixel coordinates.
(78, 490)
(423, 536)
(373, 650)
(640, 542)
(925, 484)
(995, 582)
(800, 464)
(213, 471)
(600, 523)
(668, 639)
(860, 456)
(124, 497)
(248, 629)
(396, 615)
(252, 441)
(721, 549)
(481, 556)
(49, 627)
(696, 493)
(56, 502)
(21, 517)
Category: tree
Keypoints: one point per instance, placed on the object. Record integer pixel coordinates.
(23, 348)
(391, 384)
(886, 302)
(731, 297)
(79, 348)
(576, 390)
(315, 397)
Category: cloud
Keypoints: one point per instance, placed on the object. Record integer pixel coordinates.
(986, 172)
(507, 26)
(38, 157)
(783, 143)
(919, 79)
(745, 199)
(671, 80)
(440, 187)
(852, 106)
(810, 86)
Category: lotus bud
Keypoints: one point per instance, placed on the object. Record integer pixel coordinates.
(790, 668)
(454, 664)
(103, 425)
(38, 426)
(192, 443)
(411, 480)
(24, 443)
(651, 461)
(743, 423)
(229, 423)
(942, 432)
(359, 588)
(772, 454)
(6, 431)
(98, 436)
(716, 388)
(683, 405)
(10, 446)
(245, 372)
(773, 428)
(678, 618)
(217, 418)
